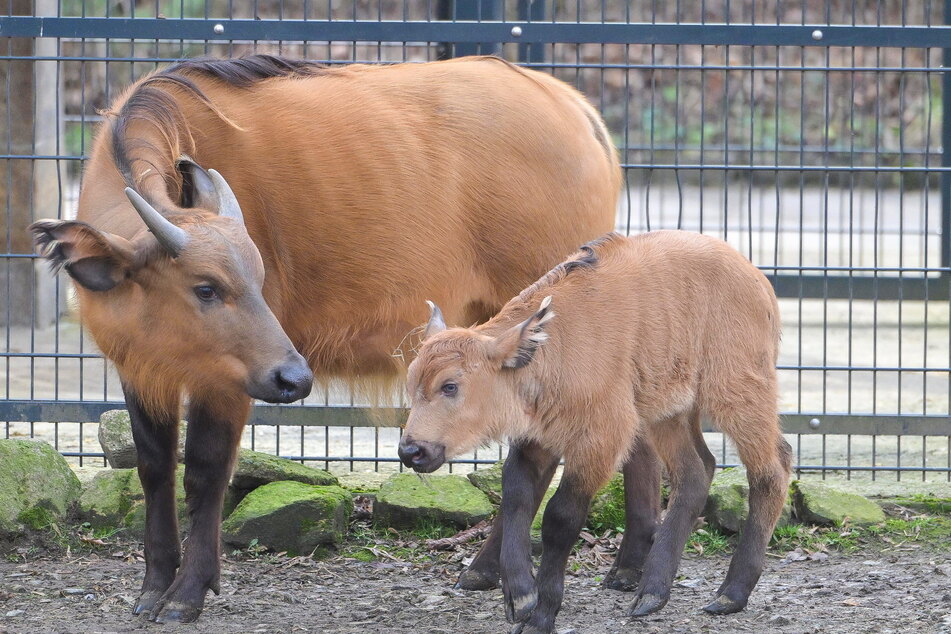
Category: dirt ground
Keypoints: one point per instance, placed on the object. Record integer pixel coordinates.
(903, 589)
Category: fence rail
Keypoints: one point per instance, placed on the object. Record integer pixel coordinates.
(816, 139)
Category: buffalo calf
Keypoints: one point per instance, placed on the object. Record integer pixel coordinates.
(610, 361)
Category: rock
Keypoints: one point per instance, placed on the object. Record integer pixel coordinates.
(134, 521)
(37, 487)
(292, 517)
(819, 503)
(537, 521)
(254, 469)
(366, 483)
(107, 498)
(728, 502)
(115, 437)
(407, 501)
(779, 620)
(114, 499)
(489, 481)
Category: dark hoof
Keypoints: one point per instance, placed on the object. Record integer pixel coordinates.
(178, 613)
(477, 580)
(622, 579)
(647, 604)
(147, 601)
(723, 604)
(518, 609)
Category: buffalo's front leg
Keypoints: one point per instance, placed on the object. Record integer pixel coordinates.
(522, 471)
(539, 467)
(156, 442)
(563, 520)
(214, 431)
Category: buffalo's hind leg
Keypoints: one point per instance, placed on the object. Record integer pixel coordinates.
(641, 513)
(156, 444)
(214, 431)
(679, 442)
(536, 467)
(768, 460)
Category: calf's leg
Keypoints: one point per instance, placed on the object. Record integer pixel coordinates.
(676, 441)
(521, 474)
(641, 514)
(156, 444)
(214, 431)
(768, 460)
(564, 517)
(538, 468)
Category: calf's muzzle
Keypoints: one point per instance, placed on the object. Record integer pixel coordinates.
(420, 455)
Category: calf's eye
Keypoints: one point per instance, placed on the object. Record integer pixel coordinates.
(206, 293)
(449, 389)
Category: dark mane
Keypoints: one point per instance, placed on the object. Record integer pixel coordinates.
(151, 102)
(586, 258)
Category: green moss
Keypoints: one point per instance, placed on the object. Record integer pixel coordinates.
(36, 518)
(407, 501)
(255, 469)
(290, 516)
(824, 504)
(607, 509)
(928, 503)
(33, 475)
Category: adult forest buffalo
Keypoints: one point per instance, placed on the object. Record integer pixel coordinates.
(355, 194)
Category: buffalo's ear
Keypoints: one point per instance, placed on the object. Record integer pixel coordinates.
(515, 348)
(197, 188)
(94, 259)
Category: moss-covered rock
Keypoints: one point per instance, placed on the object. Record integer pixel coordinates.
(107, 498)
(818, 503)
(489, 481)
(728, 503)
(540, 514)
(254, 469)
(408, 501)
(114, 499)
(363, 482)
(290, 516)
(37, 487)
(115, 437)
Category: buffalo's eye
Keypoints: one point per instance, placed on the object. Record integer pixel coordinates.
(206, 293)
(449, 389)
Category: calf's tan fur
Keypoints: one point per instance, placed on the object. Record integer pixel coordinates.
(612, 357)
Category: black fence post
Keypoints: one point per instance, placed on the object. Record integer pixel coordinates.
(531, 11)
(946, 149)
(468, 11)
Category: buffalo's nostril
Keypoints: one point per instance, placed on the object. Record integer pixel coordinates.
(293, 380)
(411, 454)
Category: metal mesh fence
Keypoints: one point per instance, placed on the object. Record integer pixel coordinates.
(815, 138)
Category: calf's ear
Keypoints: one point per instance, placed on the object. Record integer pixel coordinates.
(96, 260)
(515, 348)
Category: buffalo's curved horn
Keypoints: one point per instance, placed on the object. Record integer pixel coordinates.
(436, 322)
(227, 202)
(172, 237)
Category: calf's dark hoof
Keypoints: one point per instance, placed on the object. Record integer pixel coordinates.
(622, 579)
(178, 613)
(723, 604)
(147, 601)
(647, 604)
(477, 580)
(519, 608)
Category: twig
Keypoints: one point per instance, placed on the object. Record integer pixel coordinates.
(448, 543)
